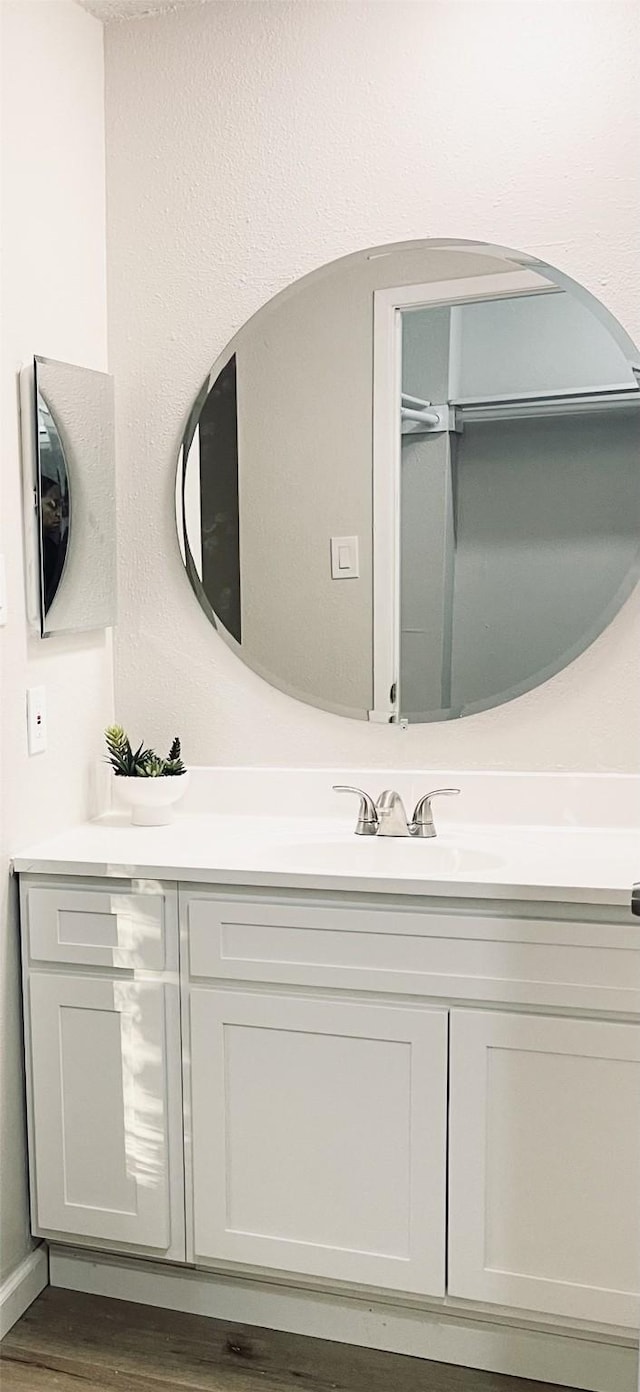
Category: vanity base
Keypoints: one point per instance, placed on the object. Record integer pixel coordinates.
(22, 1287)
(578, 1359)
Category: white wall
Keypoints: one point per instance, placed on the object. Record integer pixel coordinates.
(53, 303)
(249, 143)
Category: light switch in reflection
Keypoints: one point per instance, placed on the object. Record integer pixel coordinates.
(344, 558)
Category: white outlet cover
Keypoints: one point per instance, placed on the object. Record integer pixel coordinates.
(36, 719)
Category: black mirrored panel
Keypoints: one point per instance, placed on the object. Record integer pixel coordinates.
(218, 552)
(410, 488)
(73, 421)
(53, 502)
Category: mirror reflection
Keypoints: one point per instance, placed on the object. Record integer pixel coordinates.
(53, 485)
(75, 494)
(409, 489)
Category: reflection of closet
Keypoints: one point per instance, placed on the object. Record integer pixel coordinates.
(531, 390)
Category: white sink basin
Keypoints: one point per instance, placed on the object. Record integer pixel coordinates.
(387, 855)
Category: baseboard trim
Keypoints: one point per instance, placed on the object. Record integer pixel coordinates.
(22, 1287)
(592, 1365)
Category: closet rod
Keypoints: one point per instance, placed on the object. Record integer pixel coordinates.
(424, 417)
(525, 407)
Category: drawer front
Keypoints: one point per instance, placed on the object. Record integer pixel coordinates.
(433, 953)
(123, 926)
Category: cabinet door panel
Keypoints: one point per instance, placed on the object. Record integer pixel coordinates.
(319, 1135)
(100, 1108)
(545, 1165)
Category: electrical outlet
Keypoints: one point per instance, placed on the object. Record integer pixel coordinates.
(36, 720)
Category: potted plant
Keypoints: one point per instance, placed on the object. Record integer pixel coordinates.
(147, 783)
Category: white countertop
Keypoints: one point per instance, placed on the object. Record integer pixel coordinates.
(569, 864)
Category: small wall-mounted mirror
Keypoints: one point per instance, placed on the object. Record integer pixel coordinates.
(410, 488)
(68, 429)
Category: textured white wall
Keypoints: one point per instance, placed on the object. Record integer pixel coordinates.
(53, 303)
(249, 143)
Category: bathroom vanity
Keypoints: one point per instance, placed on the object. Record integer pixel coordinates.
(388, 1092)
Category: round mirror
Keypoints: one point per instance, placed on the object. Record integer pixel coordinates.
(409, 488)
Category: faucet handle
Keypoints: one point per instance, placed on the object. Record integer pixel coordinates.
(367, 824)
(423, 824)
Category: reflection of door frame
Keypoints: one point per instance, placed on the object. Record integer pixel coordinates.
(387, 386)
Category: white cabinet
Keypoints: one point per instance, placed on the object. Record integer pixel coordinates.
(544, 1180)
(102, 1026)
(327, 1088)
(319, 1137)
(100, 1134)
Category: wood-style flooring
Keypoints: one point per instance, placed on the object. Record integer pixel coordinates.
(68, 1342)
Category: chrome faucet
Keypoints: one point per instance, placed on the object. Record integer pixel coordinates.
(392, 818)
(367, 823)
(387, 816)
(423, 824)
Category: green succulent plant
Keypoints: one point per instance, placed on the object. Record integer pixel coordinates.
(140, 763)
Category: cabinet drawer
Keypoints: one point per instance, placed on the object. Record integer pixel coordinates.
(122, 926)
(435, 952)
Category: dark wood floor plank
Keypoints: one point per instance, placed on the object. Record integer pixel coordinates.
(95, 1345)
(25, 1375)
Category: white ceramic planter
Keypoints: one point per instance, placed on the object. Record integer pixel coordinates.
(152, 800)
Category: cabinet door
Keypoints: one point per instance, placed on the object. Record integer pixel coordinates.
(100, 1109)
(544, 1192)
(319, 1137)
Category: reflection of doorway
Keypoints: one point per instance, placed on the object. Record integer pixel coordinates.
(411, 600)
